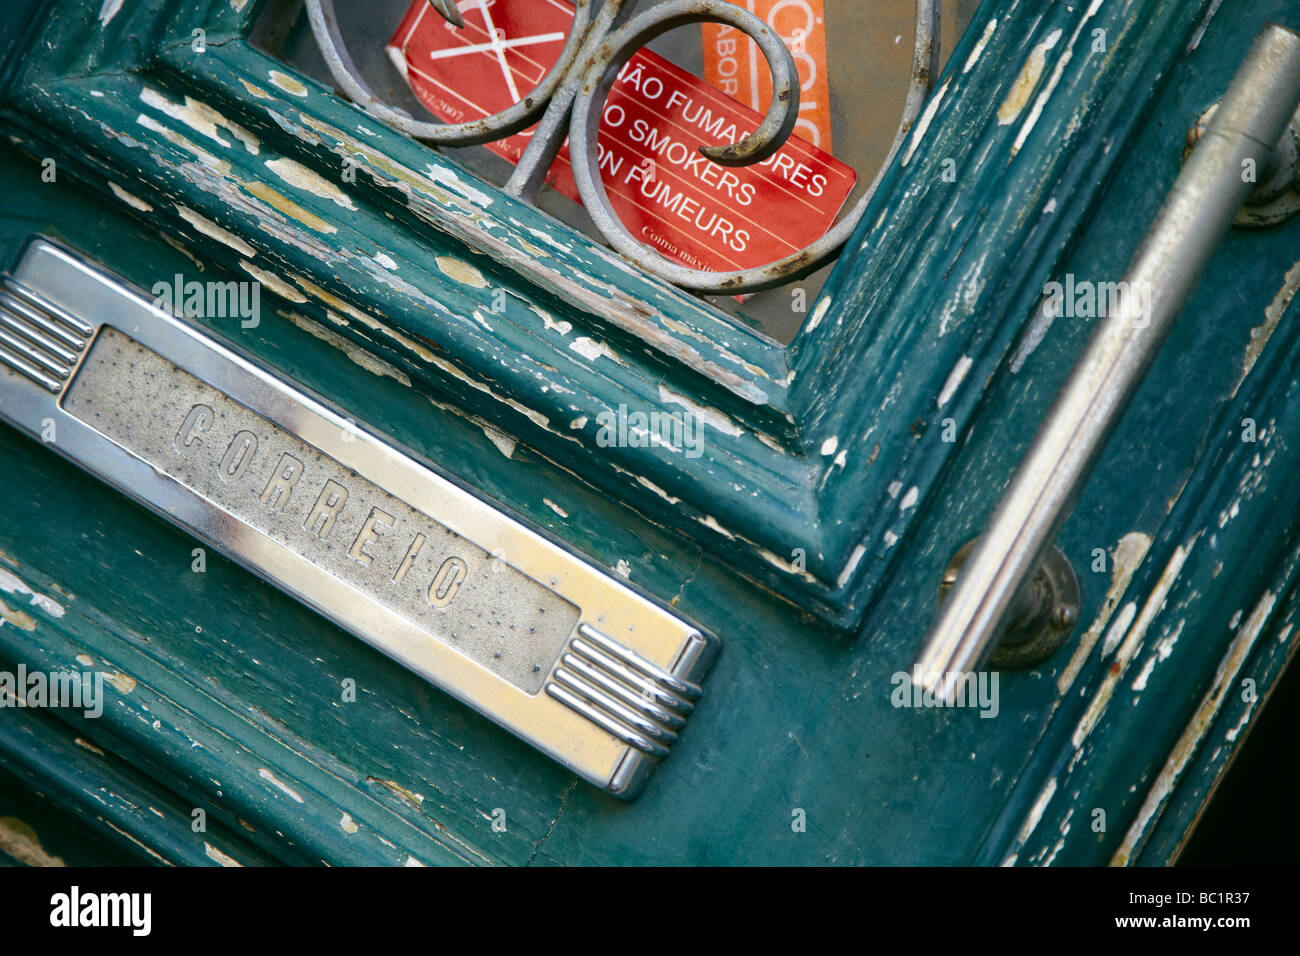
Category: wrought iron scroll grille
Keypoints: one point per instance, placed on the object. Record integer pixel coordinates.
(570, 100)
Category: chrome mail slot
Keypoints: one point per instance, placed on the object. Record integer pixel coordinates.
(559, 653)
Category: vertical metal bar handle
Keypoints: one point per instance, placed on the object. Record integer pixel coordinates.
(1161, 278)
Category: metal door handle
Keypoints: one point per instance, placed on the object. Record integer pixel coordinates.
(1007, 560)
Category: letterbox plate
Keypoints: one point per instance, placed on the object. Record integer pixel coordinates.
(556, 651)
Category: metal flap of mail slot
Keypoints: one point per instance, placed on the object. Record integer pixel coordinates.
(556, 651)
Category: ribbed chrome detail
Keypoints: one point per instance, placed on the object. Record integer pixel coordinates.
(37, 340)
(637, 701)
(625, 693)
(683, 687)
(605, 722)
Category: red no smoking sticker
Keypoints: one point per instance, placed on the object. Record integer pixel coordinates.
(665, 192)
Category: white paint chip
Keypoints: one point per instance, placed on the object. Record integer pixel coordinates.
(923, 124)
(108, 11)
(954, 380)
(460, 271)
(12, 584)
(280, 785)
(135, 202)
(213, 231)
(446, 178)
(709, 416)
(852, 565)
(308, 180)
(1025, 84)
(590, 349)
(287, 83)
(216, 856)
(979, 47)
(818, 314)
(273, 282)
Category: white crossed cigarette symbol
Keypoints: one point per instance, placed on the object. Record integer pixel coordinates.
(497, 45)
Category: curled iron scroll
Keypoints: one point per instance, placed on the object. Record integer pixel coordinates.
(601, 42)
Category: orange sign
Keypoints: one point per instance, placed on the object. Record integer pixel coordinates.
(734, 64)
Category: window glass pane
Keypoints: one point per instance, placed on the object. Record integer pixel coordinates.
(866, 58)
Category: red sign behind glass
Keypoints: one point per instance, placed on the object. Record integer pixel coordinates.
(665, 192)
